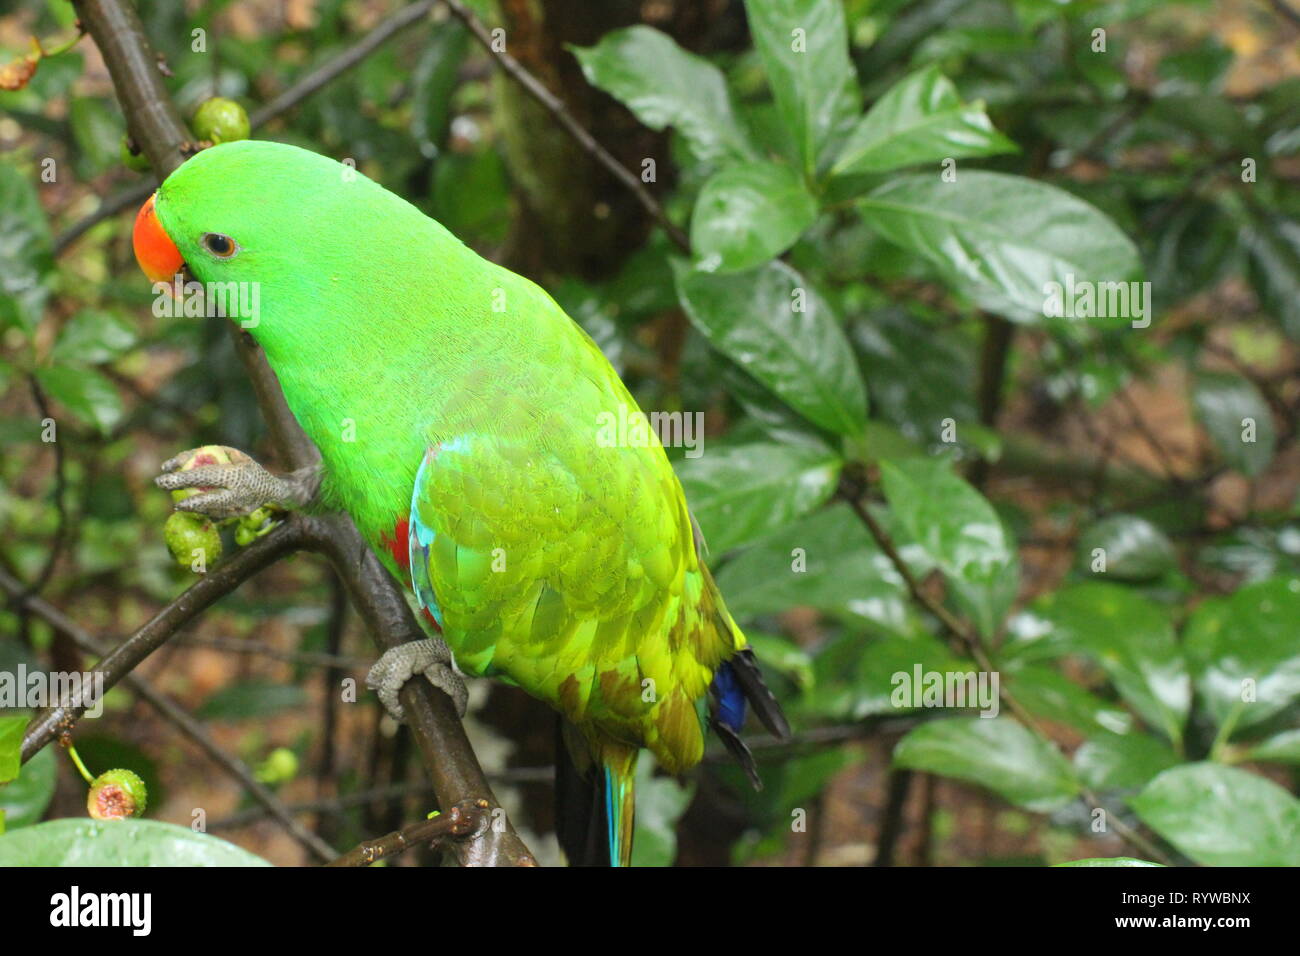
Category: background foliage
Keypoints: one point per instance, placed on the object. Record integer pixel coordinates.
(859, 330)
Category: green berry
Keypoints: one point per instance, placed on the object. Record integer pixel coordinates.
(280, 766)
(220, 120)
(193, 540)
(117, 795)
(133, 160)
(253, 526)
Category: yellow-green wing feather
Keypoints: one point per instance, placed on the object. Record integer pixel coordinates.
(569, 567)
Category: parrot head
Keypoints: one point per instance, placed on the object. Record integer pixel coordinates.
(315, 238)
(240, 211)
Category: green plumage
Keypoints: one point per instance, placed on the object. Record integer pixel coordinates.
(560, 564)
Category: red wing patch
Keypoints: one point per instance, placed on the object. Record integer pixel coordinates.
(399, 547)
(398, 544)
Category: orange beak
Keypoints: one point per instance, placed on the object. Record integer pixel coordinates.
(154, 249)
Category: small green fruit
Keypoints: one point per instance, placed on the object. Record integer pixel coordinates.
(280, 766)
(136, 161)
(193, 540)
(220, 120)
(255, 525)
(117, 795)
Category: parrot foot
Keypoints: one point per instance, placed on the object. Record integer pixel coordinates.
(235, 488)
(430, 657)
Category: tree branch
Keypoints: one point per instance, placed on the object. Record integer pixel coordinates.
(460, 821)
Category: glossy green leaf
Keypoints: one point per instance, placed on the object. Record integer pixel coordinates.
(26, 261)
(1282, 747)
(996, 753)
(804, 46)
(747, 213)
(1237, 418)
(665, 85)
(827, 561)
(86, 842)
(1000, 240)
(1223, 816)
(1244, 652)
(894, 675)
(97, 129)
(741, 492)
(1109, 861)
(1272, 244)
(1048, 694)
(1122, 761)
(86, 393)
(93, 336)
(1127, 548)
(781, 331)
(1131, 638)
(958, 529)
(921, 119)
(433, 83)
(922, 374)
(781, 655)
(23, 800)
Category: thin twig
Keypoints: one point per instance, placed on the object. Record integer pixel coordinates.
(1284, 10)
(1142, 428)
(950, 621)
(329, 71)
(460, 821)
(764, 748)
(975, 647)
(557, 108)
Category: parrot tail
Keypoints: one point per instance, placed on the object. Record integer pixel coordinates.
(620, 802)
(738, 683)
(593, 803)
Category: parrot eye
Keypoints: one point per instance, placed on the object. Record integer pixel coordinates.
(223, 247)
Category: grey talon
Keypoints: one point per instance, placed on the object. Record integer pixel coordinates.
(238, 488)
(430, 657)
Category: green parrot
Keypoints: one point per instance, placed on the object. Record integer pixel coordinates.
(458, 413)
